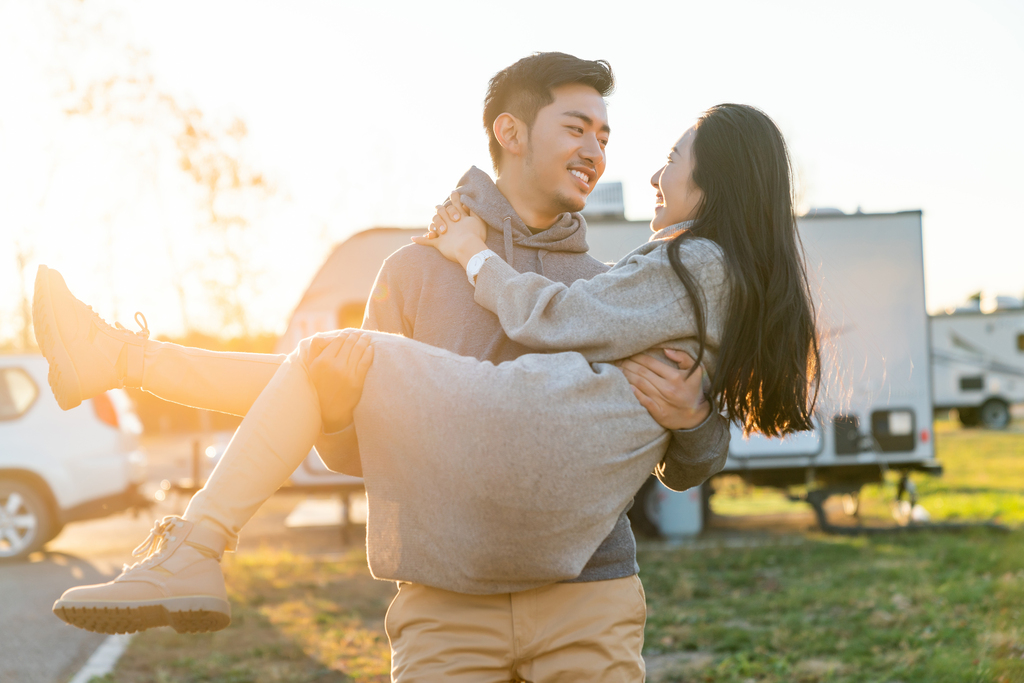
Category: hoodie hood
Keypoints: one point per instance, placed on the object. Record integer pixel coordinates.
(671, 231)
(481, 195)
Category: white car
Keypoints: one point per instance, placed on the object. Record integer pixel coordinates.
(58, 467)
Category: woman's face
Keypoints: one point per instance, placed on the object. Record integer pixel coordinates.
(678, 196)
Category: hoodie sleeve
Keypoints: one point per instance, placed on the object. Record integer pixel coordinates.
(695, 455)
(636, 305)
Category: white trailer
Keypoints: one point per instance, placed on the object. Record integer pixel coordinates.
(978, 364)
(875, 410)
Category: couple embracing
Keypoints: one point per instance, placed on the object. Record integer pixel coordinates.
(507, 395)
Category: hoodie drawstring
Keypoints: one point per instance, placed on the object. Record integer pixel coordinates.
(541, 253)
(506, 229)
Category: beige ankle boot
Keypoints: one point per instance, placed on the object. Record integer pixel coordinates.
(178, 583)
(86, 355)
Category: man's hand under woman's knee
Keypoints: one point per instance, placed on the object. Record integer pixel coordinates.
(672, 395)
(338, 368)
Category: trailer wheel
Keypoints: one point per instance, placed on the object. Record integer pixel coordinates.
(644, 513)
(969, 417)
(995, 414)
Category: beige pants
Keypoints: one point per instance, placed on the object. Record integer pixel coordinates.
(561, 633)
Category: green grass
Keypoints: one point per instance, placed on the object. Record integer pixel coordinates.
(930, 606)
(924, 607)
(927, 607)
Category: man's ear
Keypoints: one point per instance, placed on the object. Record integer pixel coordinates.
(510, 133)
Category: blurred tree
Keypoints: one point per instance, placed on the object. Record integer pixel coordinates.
(23, 255)
(227, 190)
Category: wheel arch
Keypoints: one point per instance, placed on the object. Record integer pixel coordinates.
(36, 482)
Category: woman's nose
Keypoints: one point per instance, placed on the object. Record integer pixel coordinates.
(656, 178)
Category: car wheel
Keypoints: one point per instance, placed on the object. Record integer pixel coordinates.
(25, 520)
(969, 417)
(995, 414)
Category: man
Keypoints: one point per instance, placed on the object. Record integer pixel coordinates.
(548, 128)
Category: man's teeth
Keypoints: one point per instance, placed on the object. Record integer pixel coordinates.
(582, 176)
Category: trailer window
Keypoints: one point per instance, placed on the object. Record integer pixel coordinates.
(894, 429)
(1020, 342)
(973, 383)
(847, 431)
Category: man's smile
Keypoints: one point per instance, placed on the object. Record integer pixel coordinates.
(583, 176)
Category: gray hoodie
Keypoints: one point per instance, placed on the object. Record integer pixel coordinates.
(421, 295)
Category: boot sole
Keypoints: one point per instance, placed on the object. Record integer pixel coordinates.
(62, 377)
(184, 615)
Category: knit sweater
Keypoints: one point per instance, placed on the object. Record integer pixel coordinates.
(422, 296)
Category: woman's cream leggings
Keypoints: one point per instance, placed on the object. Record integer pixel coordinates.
(232, 383)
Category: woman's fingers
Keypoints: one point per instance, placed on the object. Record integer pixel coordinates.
(452, 207)
(643, 384)
(631, 368)
(681, 358)
(441, 219)
(456, 200)
(654, 365)
(649, 405)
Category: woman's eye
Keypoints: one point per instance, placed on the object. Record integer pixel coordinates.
(576, 129)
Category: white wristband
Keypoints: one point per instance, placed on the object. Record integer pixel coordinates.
(476, 262)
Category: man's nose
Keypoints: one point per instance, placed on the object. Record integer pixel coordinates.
(592, 151)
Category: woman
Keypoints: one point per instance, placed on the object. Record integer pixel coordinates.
(555, 441)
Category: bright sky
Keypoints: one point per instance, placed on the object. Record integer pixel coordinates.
(367, 115)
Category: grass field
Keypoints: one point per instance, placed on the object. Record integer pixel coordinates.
(927, 607)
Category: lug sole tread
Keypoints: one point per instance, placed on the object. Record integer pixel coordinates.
(62, 377)
(133, 619)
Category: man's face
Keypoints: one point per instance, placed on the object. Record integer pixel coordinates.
(566, 148)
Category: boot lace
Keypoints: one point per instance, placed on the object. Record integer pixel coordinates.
(153, 548)
(140, 320)
(144, 328)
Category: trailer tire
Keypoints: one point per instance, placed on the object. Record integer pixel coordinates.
(643, 514)
(969, 417)
(995, 414)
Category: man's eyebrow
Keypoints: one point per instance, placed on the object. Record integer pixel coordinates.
(586, 119)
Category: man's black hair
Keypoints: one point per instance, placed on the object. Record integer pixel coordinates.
(524, 88)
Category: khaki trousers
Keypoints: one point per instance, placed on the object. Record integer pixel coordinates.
(562, 633)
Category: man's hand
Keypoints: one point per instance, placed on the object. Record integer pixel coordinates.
(674, 400)
(338, 369)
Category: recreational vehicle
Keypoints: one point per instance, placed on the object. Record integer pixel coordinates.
(978, 362)
(875, 412)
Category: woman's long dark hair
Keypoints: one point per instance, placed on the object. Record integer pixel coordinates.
(768, 369)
